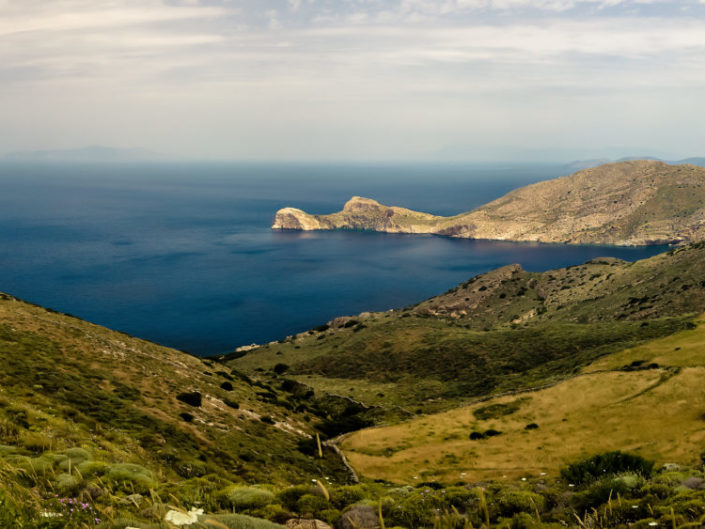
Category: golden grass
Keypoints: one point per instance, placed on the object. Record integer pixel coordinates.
(682, 349)
(656, 413)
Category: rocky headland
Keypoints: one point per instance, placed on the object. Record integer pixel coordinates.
(630, 203)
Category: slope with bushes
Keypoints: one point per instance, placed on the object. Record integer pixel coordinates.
(505, 330)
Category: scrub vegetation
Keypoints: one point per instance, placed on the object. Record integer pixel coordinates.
(509, 401)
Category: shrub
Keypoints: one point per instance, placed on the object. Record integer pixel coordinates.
(76, 456)
(341, 425)
(66, 484)
(231, 403)
(347, 495)
(290, 495)
(92, 468)
(137, 475)
(511, 502)
(235, 521)
(598, 493)
(495, 411)
(239, 497)
(280, 368)
(311, 504)
(275, 513)
(227, 386)
(193, 398)
(608, 463)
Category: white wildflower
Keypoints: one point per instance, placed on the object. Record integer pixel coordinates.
(183, 518)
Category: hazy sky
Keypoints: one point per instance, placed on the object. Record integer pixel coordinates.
(355, 79)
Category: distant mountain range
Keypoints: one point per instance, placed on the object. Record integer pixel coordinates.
(94, 153)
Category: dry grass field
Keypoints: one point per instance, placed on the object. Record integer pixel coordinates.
(656, 412)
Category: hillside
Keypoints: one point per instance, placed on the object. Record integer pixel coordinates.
(626, 203)
(647, 400)
(91, 412)
(99, 429)
(500, 331)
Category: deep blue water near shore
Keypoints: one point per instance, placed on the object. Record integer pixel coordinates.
(182, 254)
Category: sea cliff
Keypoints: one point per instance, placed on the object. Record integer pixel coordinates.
(630, 203)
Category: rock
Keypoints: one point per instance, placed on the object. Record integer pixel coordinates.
(306, 523)
(359, 517)
(133, 499)
(295, 219)
(694, 483)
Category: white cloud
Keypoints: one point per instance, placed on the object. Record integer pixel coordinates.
(414, 72)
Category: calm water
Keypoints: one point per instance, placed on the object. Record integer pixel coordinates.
(183, 254)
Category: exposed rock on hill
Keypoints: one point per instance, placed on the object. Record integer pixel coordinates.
(627, 203)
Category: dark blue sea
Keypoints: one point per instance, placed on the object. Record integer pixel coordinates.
(182, 254)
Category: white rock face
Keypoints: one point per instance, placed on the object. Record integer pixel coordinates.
(295, 219)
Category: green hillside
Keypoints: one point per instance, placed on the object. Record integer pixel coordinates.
(99, 429)
(504, 330)
(93, 413)
(647, 400)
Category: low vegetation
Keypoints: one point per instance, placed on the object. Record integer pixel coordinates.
(509, 401)
(503, 331)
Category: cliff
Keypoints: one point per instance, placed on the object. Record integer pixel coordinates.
(626, 203)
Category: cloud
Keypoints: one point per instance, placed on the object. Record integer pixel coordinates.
(253, 74)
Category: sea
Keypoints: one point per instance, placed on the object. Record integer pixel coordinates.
(182, 253)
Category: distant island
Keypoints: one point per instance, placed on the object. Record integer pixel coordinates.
(629, 203)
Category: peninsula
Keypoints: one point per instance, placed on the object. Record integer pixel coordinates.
(632, 203)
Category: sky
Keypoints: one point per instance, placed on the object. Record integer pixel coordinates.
(355, 80)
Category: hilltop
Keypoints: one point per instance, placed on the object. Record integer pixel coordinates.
(626, 203)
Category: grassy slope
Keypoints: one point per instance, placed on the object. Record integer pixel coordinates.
(67, 383)
(503, 330)
(657, 413)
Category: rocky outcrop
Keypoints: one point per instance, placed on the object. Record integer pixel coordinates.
(627, 203)
(359, 213)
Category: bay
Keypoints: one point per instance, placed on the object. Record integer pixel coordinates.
(182, 253)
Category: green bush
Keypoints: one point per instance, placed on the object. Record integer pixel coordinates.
(73, 457)
(606, 464)
(137, 476)
(346, 495)
(243, 498)
(274, 513)
(66, 484)
(290, 495)
(511, 502)
(235, 521)
(92, 468)
(599, 492)
(311, 504)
